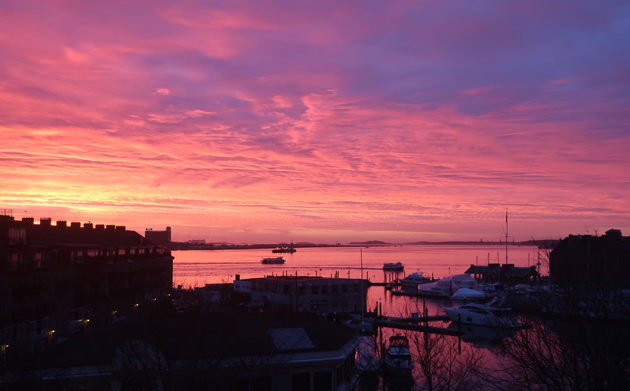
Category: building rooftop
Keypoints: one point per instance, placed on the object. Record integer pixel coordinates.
(295, 279)
(184, 336)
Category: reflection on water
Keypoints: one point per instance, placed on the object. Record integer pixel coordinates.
(484, 337)
(197, 268)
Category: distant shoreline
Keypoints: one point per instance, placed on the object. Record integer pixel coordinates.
(182, 246)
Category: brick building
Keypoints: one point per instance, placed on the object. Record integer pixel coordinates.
(58, 280)
(593, 261)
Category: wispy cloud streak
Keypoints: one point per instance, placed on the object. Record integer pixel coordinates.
(324, 120)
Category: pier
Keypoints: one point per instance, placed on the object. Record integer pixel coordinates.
(418, 324)
(418, 327)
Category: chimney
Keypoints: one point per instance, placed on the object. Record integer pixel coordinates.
(45, 222)
(100, 227)
(88, 225)
(62, 223)
(28, 220)
(121, 228)
(110, 227)
(75, 225)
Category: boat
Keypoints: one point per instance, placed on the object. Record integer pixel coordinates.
(367, 363)
(393, 267)
(365, 326)
(272, 260)
(467, 295)
(447, 286)
(489, 315)
(441, 289)
(411, 282)
(398, 357)
(289, 249)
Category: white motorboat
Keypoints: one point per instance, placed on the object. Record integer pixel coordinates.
(464, 281)
(443, 288)
(488, 315)
(468, 295)
(398, 357)
(447, 286)
(411, 282)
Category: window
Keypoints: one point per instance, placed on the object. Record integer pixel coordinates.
(77, 314)
(43, 325)
(17, 236)
(322, 381)
(13, 260)
(301, 381)
(38, 260)
(21, 330)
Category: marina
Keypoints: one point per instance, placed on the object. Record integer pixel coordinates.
(401, 312)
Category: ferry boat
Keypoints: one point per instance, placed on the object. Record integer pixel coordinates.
(289, 249)
(272, 260)
(393, 267)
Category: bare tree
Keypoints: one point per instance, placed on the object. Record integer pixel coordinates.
(443, 367)
(441, 364)
(571, 354)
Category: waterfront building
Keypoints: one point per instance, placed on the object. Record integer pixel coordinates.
(59, 280)
(592, 261)
(502, 273)
(161, 238)
(219, 351)
(321, 295)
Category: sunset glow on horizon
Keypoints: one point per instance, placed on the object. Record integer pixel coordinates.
(325, 122)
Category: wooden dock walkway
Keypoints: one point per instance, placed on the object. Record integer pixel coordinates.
(417, 327)
(417, 319)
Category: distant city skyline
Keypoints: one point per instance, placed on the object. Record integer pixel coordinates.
(250, 122)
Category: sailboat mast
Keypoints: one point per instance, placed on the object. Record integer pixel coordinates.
(362, 293)
(506, 236)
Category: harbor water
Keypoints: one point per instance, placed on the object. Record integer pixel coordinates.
(200, 267)
(197, 268)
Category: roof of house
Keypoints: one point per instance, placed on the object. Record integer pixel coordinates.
(183, 336)
(505, 270)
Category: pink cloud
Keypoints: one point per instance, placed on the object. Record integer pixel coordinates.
(316, 119)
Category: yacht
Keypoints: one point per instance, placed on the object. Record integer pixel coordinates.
(488, 314)
(467, 295)
(411, 282)
(447, 286)
(398, 357)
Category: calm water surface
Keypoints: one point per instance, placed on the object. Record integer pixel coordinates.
(197, 268)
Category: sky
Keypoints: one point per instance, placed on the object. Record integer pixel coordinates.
(319, 121)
